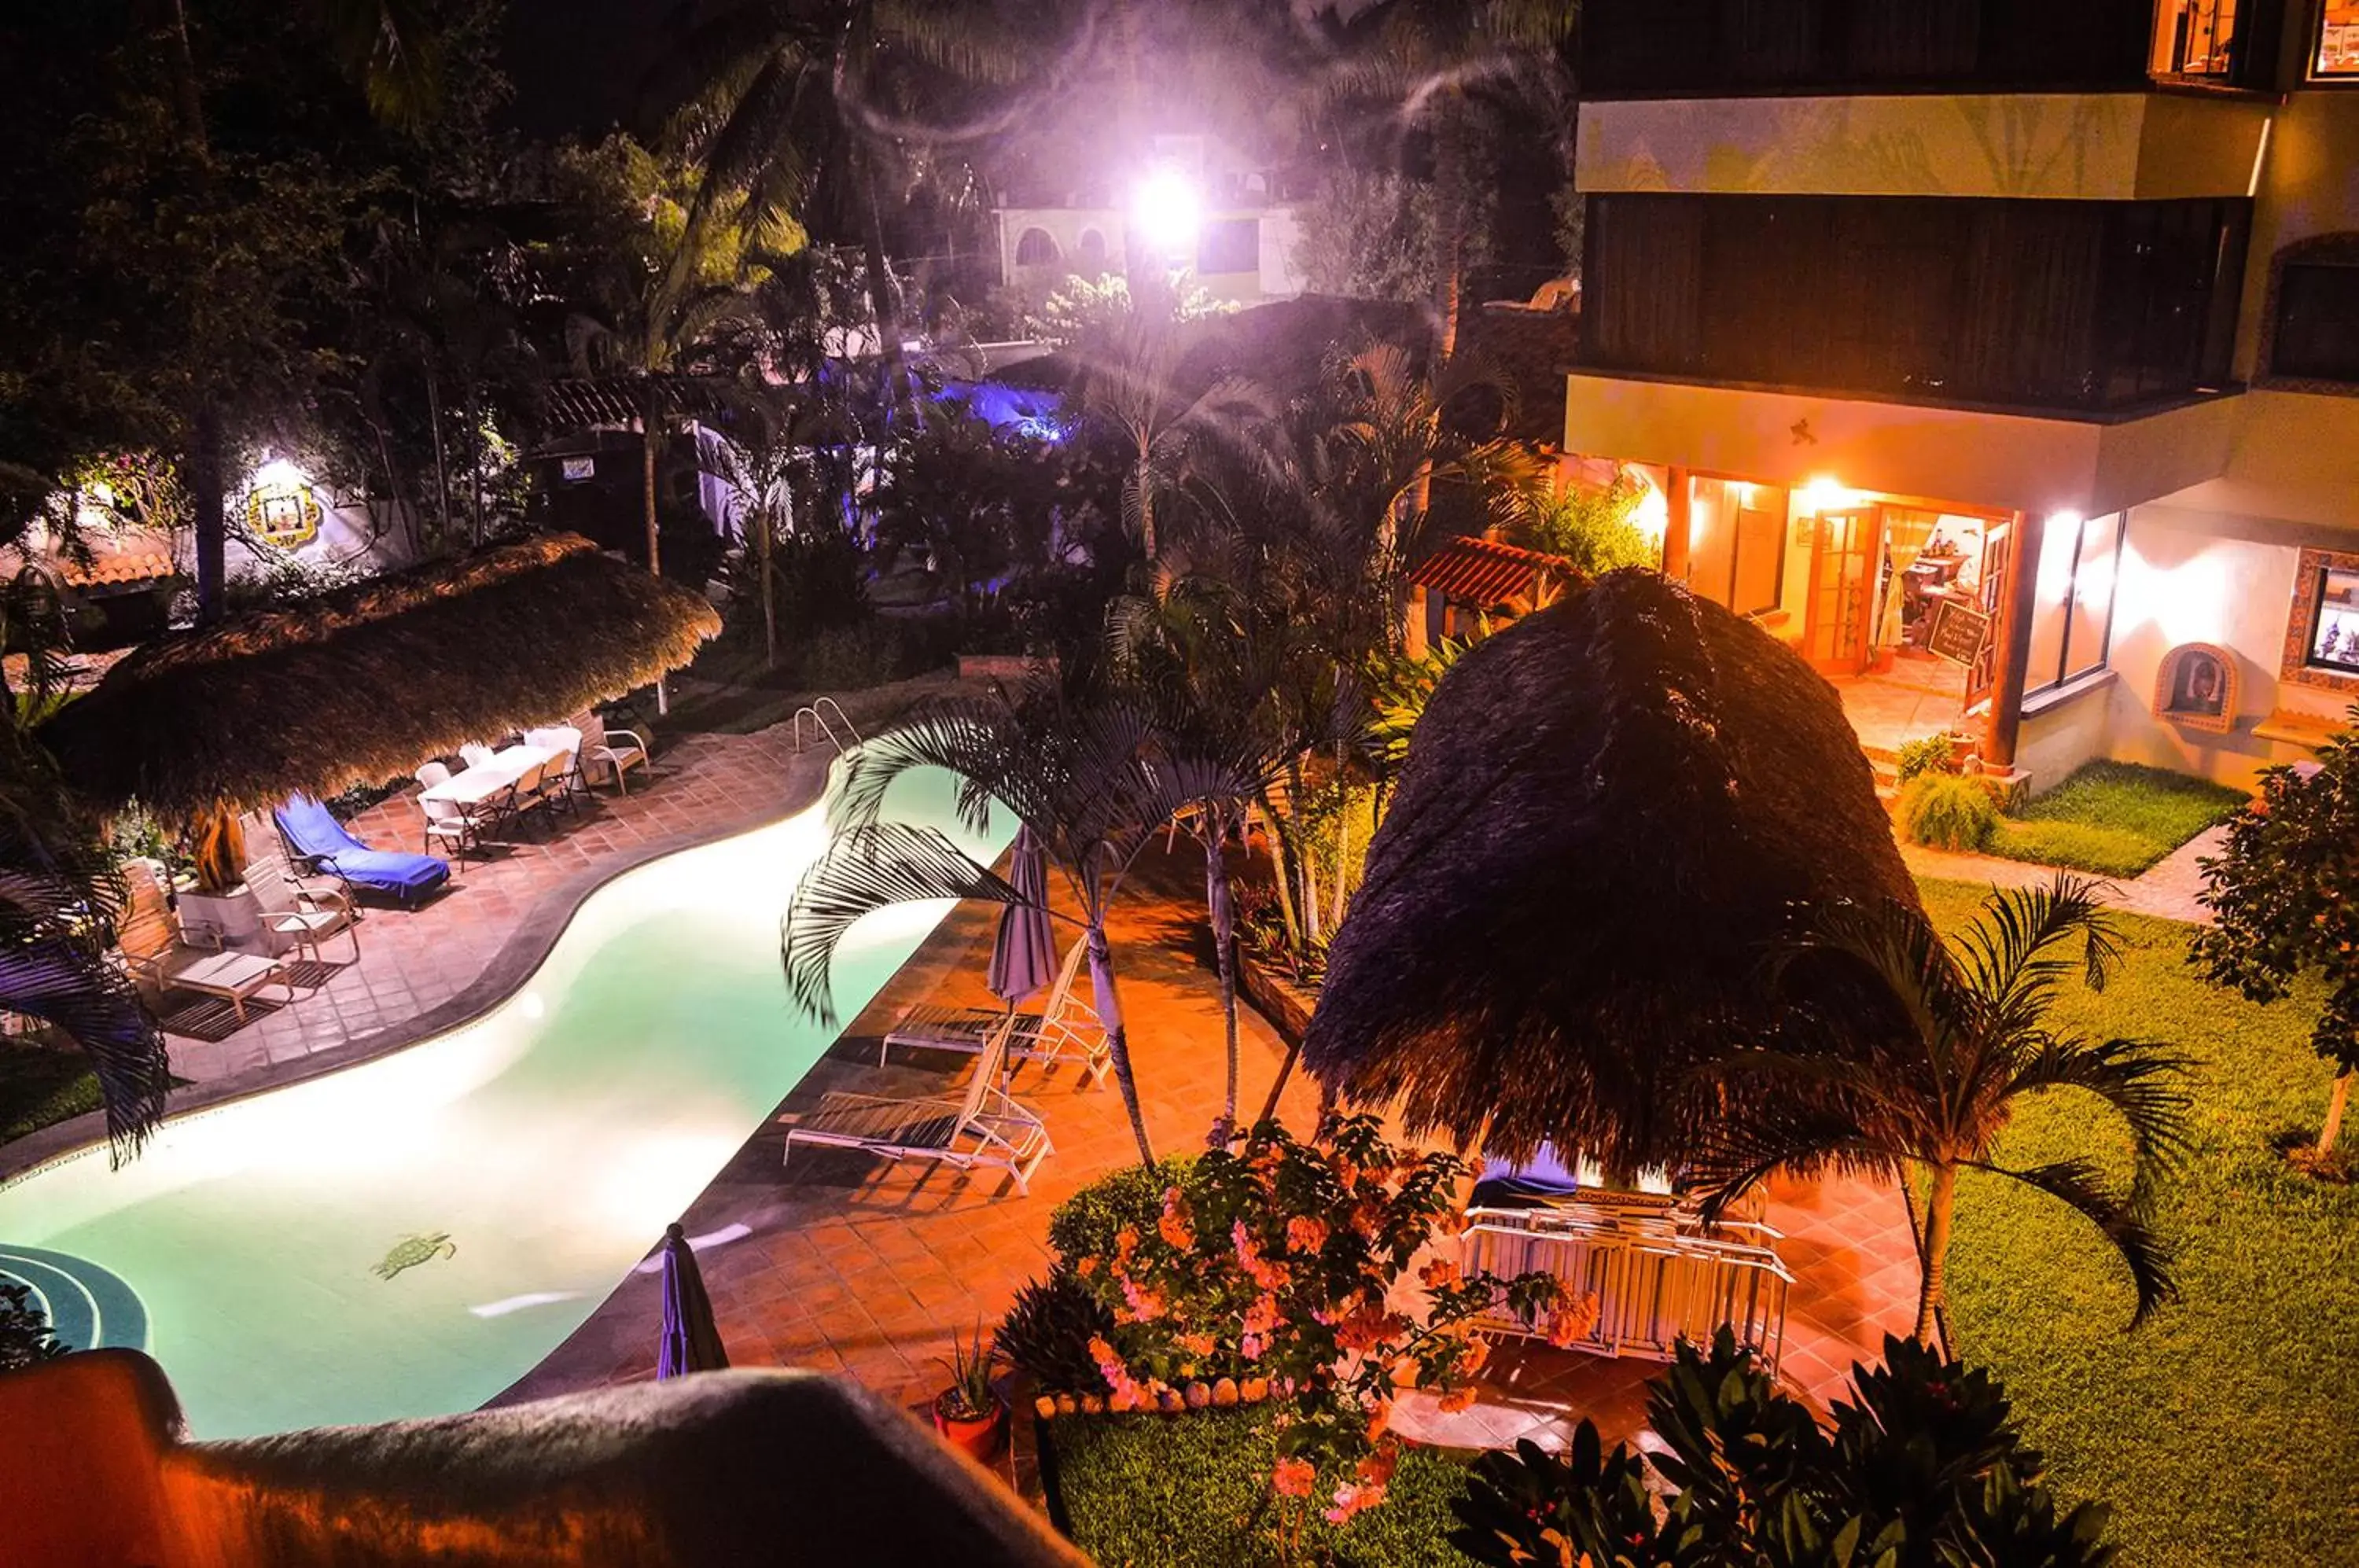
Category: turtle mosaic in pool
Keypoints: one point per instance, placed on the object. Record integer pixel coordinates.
(414, 1249)
(409, 1237)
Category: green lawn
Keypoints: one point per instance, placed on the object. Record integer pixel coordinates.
(1189, 1492)
(38, 1086)
(2114, 818)
(2222, 1432)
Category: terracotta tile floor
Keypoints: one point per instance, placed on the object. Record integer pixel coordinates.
(850, 1265)
(853, 1265)
(1918, 696)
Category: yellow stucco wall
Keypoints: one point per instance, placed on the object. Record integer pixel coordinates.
(1980, 460)
(2308, 185)
(2057, 145)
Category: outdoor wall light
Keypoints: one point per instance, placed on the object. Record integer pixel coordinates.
(1165, 212)
(1825, 494)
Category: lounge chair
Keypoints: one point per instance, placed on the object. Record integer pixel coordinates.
(985, 1128)
(160, 954)
(319, 843)
(1065, 1025)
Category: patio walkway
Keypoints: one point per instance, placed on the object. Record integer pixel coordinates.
(421, 970)
(845, 1263)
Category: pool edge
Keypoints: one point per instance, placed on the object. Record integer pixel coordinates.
(519, 958)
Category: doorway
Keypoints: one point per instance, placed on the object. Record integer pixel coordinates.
(1836, 624)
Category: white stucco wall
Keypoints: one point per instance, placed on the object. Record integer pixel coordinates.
(2187, 577)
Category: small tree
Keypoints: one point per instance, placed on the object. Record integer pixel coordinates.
(2285, 897)
(1926, 1470)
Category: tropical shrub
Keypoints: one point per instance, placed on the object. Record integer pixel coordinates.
(1943, 811)
(1273, 1265)
(1084, 1225)
(1595, 529)
(1048, 1330)
(2284, 895)
(1935, 753)
(1924, 1470)
(26, 1338)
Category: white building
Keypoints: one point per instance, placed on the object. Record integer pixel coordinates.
(2020, 331)
(1239, 240)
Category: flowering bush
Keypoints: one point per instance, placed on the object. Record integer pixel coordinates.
(1276, 1266)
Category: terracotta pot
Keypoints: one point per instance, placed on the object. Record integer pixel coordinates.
(979, 1438)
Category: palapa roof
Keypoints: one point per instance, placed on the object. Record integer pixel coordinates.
(364, 685)
(1609, 812)
(586, 403)
(1476, 570)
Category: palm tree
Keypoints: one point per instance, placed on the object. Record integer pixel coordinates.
(658, 307)
(1423, 61)
(61, 894)
(801, 105)
(1973, 1033)
(1089, 777)
(761, 457)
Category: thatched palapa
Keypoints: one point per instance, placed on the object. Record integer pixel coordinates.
(365, 685)
(1609, 812)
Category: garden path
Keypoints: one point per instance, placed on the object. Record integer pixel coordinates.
(2167, 889)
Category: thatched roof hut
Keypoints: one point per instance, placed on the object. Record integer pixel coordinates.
(365, 685)
(1609, 811)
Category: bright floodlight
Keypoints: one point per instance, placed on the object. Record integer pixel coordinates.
(1165, 211)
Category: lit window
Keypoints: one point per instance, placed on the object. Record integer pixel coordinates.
(2073, 612)
(2338, 40)
(1035, 249)
(2195, 38)
(1091, 251)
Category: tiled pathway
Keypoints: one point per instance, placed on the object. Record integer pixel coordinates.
(846, 1263)
(2166, 890)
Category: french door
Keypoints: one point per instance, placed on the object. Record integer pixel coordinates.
(1837, 624)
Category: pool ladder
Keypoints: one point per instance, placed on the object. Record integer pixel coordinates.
(817, 714)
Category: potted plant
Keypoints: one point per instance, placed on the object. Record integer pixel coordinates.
(970, 1413)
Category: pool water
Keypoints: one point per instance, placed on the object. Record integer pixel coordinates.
(410, 1235)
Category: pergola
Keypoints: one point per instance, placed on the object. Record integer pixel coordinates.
(364, 685)
(1611, 812)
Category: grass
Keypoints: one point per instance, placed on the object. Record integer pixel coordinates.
(1189, 1492)
(39, 1087)
(2114, 818)
(2221, 1431)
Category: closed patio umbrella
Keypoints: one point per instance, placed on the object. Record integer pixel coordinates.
(1024, 955)
(690, 1341)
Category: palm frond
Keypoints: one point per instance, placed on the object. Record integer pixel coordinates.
(2078, 1184)
(65, 984)
(2142, 1080)
(865, 870)
(2012, 951)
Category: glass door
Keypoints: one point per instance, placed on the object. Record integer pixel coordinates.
(1998, 570)
(1835, 629)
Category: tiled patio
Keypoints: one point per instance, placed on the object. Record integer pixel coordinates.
(849, 1264)
(1919, 696)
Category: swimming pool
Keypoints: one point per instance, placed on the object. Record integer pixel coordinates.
(410, 1235)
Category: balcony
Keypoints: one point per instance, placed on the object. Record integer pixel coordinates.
(2086, 308)
(1738, 48)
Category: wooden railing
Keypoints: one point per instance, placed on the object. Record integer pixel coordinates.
(1658, 1277)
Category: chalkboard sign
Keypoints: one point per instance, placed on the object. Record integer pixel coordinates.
(1959, 629)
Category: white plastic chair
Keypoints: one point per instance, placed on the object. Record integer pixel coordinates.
(618, 750)
(430, 774)
(475, 753)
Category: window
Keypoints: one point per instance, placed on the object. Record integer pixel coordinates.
(1090, 253)
(2072, 614)
(2335, 632)
(2338, 40)
(2315, 330)
(1229, 244)
(1035, 249)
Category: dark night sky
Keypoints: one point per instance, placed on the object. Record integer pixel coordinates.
(578, 64)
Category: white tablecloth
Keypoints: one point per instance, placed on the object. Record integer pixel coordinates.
(475, 785)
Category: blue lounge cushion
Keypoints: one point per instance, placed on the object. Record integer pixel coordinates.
(316, 835)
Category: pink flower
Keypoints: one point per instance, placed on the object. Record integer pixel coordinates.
(1353, 1499)
(1305, 1233)
(1439, 1274)
(1457, 1400)
(1263, 1315)
(1269, 1276)
(1294, 1478)
(1252, 1345)
(1146, 1305)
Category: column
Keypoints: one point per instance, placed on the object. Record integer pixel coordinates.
(2024, 540)
(1676, 500)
